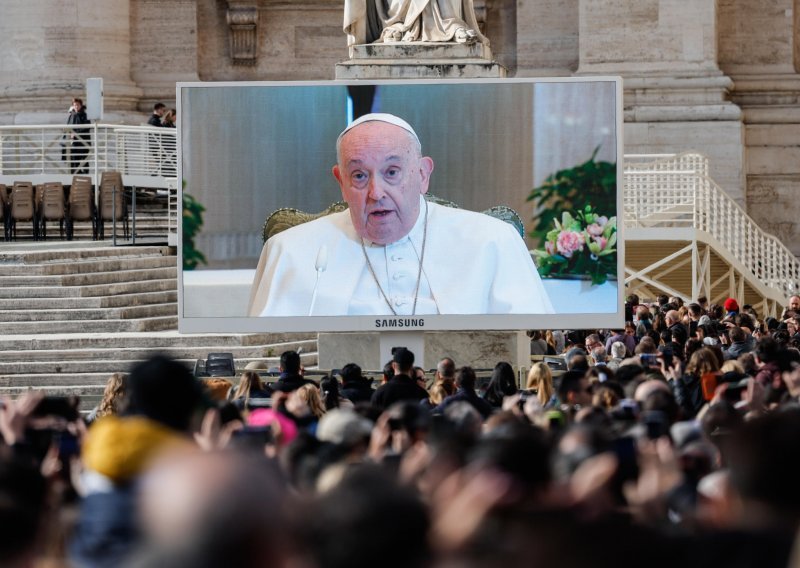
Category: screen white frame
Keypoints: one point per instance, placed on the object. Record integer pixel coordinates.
(227, 324)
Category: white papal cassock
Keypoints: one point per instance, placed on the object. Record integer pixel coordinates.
(473, 264)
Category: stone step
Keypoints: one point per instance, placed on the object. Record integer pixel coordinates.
(120, 300)
(163, 285)
(70, 252)
(153, 340)
(421, 51)
(90, 395)
(423, 69)
(56, 379)
(15, 360)
(75, 315)
(87, 266)
(96, 372)
(111, 277)
(99, 326)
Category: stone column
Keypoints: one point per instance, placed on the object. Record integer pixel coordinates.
(759, 43)
(51, 47)
(676, 97)
(164, 44)
(547, 37)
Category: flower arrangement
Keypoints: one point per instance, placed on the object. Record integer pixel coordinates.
(582, 245)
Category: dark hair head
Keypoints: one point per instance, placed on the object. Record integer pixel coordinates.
(627, 373)
(159, 106)
(164, 390)
(465, 378)
(737, 334)
(695, 309)
(411, 417)
(788, 359)
(502, 384)
(351, 372)
(662, 401)
(404, 359)
(570, 382)
(765, 460)
(290, 362)
(518, 450)
(388, 370)
(576, 359)
(329, 388)
(368, 519)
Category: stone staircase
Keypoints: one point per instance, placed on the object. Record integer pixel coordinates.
(73, 313)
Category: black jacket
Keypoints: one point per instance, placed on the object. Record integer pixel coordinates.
(470, 396)
(79, 118)
(400, 387)
(357, 391)
(289, 383)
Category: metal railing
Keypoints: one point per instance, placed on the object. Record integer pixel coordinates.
(145, 156)
(661, 190)
(668, 191)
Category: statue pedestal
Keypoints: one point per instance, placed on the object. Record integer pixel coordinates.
(419, 60)
(479, 349)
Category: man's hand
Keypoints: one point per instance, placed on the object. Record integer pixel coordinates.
(14, 416)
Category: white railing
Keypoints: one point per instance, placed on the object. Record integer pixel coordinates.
(146, 156)
(675, 191)
(172, 212)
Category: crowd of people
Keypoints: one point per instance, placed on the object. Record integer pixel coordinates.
(671, 441)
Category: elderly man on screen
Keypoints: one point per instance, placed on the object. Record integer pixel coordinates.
(392, 252)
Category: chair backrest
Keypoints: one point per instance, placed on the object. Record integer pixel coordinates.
(22, 195)
(112, 201)
(52, 206)
(220, 365)
(81, 202)
(83, 185)
(111, 177)
(285, 218)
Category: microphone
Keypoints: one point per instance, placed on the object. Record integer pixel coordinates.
(319, 265)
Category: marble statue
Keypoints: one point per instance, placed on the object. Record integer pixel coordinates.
(372, 21)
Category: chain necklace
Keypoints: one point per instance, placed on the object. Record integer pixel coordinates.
(419, 273)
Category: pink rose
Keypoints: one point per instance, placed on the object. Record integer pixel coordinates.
(596, 229)
(601, 241)
(569, 242)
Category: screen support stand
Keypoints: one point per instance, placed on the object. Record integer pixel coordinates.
(414, 341)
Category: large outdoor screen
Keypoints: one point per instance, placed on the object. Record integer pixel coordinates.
(476, 204)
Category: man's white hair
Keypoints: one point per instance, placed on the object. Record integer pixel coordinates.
(618, 350)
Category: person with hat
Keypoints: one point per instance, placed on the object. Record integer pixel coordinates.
(393, 252)
(731, 307)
